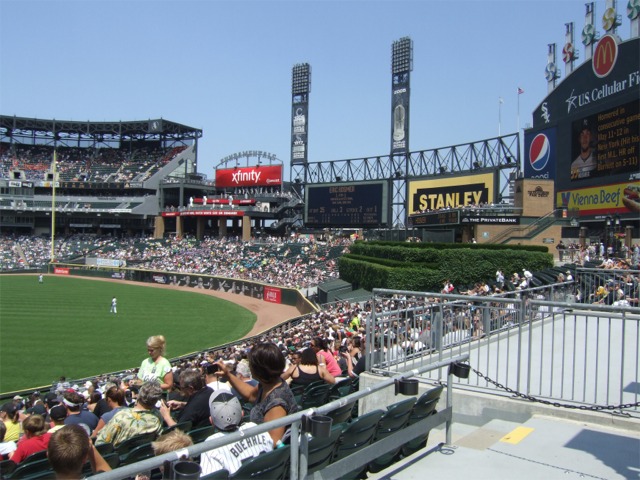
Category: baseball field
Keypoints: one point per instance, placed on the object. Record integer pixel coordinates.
(63, 326)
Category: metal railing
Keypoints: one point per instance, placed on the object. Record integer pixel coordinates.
(299, 440)
(523, 231)
(535, 343)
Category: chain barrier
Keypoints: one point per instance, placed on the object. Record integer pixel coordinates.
(595, 408)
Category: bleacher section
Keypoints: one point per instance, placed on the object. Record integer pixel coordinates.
(85, 164)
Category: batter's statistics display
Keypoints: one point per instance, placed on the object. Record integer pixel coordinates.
(362, 204)
(614, 138)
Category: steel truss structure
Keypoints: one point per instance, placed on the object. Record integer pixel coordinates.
(498, 153)
(67, 133)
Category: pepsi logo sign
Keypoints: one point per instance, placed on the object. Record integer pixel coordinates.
(539, 152)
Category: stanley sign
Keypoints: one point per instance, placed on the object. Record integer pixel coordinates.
(451, 192)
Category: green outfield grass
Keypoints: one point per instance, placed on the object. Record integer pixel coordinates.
(63, 326)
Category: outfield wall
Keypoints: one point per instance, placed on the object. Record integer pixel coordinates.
(265, 292)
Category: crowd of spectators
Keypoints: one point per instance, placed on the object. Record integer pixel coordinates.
(20, 252)
(292, 261)
(86, 164)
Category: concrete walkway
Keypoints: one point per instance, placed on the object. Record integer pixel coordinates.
(541, 447)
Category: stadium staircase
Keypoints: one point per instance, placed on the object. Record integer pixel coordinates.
(20, 252)
(529, 231)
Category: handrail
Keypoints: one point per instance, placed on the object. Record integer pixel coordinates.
(294, 420)
(507, 234)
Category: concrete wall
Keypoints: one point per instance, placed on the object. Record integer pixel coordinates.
(474, 407)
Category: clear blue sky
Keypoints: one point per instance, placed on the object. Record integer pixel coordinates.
(225, 66)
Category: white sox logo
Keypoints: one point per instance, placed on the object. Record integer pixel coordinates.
(545, 113)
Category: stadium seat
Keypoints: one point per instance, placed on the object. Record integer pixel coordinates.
(314, 396)
(339, 389)
(44, 475)
(125, 447)
(183, 426)
(201, 434)
(425, 406)
(272, 465)
(34, 457)
(342, 414)
(217, 475)
(357, 435)
(7, 467)
(104, 448)
(320, 452)
(141, 452)
(298, 390)
(26, 470)
(246, 409)
(394, 419)
(113, 459)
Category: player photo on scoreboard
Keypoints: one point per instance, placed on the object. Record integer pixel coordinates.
(606, 143)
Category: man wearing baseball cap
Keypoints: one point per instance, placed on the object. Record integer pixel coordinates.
(57, 414)
(226, 415)
(585, 162)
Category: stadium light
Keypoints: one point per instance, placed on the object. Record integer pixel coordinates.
(301, 79)
(402, 56)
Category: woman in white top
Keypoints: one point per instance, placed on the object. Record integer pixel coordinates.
(156, 367)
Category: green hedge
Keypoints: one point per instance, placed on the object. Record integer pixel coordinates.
(424, 267)
(388, 262)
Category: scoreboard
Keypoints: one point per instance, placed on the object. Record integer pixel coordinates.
(451, 217)
(359, 205)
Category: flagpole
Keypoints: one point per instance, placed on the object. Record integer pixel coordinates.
(499, 115)
(519, 92)
(518, 114)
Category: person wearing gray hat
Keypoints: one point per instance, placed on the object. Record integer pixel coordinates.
(226, 415)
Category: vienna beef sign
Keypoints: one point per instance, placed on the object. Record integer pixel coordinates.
(258, 176)
(451, 192)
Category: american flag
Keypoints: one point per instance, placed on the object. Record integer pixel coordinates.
(520, 91)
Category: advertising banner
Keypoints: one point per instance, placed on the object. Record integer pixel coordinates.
(540, 154)
(272, 294)
(400, 120)
(60, 271)
(299, 125)
(257, 176)
(205, 213)
(450, 192)
(618, 198)
(499, 220)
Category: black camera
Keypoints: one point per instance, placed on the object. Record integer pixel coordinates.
(212, 368)
(343, 349)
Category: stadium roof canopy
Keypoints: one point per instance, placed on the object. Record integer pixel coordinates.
(12, 126)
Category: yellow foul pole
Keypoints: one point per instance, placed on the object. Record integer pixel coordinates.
(53, 208)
